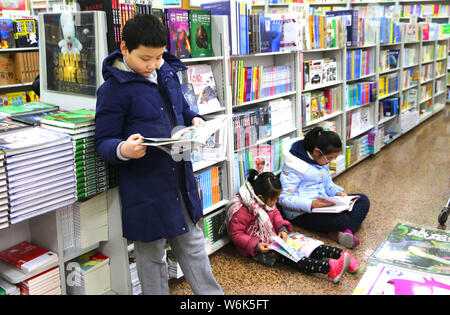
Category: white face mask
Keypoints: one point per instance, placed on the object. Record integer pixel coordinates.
(270, 208)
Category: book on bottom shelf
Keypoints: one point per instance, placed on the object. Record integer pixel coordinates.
(89, 274)
(46, 283)
(28, 257)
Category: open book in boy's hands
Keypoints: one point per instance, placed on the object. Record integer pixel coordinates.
(340, 204)
(189, 138)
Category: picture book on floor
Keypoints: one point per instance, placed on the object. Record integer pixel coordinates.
(411, 260)
(340, 204)
(295, 247)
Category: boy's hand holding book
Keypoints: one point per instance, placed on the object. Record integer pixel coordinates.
(197, 121)
(133, 148)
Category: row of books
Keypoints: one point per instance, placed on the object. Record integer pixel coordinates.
(263, 158)
(252, 83)
(320, 103)
(409, 99)
(212, 226)
(427, 52)
(20, 67)
(441, 51)
(85, 223)
(381, 10)
(424, 10)
(18, 98)
(433, 31)
(189, 32)
(410, 56)
(358, 121)
(359, 94)
(376, 139)
(389, 59)
(426, 91)
(18, 33)
(388, 84)
(359, 63)
(388, 107)
(356, 150)
(427, 72)
(319, 71)
(209, 188)
(410, 77)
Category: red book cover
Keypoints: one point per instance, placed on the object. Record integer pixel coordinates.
(27, 256)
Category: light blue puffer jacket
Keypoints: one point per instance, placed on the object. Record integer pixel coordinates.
(303, 182)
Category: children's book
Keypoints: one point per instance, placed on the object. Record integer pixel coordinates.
(385, 279)
(7, 34)
(188, 138)
(340, 204)
(25, 32)
(295, 247)
(34, 119)
(71, 119)
(179, 38)
(25, 109)
(28, 256)
(6, 125)
(418, 248)
(201, 77)
(200, 30)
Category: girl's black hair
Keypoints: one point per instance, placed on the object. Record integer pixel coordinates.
(327, 141)
(146, 30)
(265, 184)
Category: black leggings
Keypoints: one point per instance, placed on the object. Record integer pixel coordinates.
(313, 264)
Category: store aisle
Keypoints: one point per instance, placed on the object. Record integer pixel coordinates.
(408, 181)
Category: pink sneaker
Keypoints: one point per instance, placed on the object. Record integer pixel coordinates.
(338, 267)
(345, 238)
(354, 264)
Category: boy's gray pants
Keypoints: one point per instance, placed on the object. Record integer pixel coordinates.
(189, 249)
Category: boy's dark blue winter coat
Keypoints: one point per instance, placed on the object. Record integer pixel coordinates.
(128, 103)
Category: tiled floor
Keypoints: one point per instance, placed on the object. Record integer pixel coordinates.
(408, 181)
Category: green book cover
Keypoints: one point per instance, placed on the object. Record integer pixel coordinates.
(31, 107)
(71, 119)
(200, 30)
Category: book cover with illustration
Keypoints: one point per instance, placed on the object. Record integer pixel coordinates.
(295, 247)
(26, 32)
(179, 36)
(200, 30)
(189, 95)
(392, 280)
(202, 79)
(417, 248)
(69, 46)
(7, 34)
(71, 119)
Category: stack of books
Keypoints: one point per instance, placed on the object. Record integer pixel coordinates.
(90, 274)
(91, 170)
(211, 225)
(46, 283)
(3, 193)
(7, 288)
(28, 257)
(39, 168)
(173, 267)
(90, 221)
(376, 140)
(338, 164)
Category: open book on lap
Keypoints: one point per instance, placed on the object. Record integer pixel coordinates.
(296, 246)
(340, 204)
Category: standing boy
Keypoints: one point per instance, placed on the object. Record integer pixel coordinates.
(141, 97)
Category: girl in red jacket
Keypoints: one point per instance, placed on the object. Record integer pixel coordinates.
(253, 219)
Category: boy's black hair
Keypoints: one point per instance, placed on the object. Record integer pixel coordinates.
(327, 141)
(146, 30)
(265, 184)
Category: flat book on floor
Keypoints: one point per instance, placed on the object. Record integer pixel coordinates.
(340, 204)
(28, 256)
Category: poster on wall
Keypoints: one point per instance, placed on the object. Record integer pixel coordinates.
(70, 52)
(13, 5)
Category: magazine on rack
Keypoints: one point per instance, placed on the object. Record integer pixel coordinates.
(188, 138)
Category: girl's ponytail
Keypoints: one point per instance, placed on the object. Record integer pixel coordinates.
(265, 184)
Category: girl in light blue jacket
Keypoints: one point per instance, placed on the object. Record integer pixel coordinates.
(306, 179)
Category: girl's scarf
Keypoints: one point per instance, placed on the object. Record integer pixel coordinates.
(262, 228)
